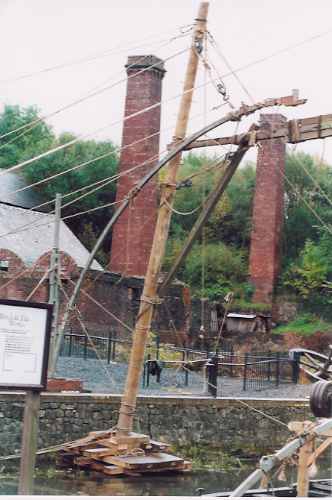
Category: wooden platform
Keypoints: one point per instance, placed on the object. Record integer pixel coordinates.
(134, 454)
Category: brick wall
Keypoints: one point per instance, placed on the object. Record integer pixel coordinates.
(120, 296)
(267, 213)
(133, 233)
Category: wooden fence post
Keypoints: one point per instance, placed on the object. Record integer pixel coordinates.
(29, 442)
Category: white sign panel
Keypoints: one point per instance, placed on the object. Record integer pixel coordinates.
(24, 338)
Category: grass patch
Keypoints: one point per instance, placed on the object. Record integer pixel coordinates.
(305, 325)
(249, 307)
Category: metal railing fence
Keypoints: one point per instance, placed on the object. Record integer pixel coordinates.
(258, 370)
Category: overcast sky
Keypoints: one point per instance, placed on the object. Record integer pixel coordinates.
(38, 34)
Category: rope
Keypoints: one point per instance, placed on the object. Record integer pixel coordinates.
(30, 225)
(80, 319)
(318, 186)
(218, 51)
(97, 303)
(41, 451)
(42, 279)
(128, 232)
(105, 53)
(151, 300)
(19, 275)
(171, 322)
(92, 93)
(112, 178)
(324, 225)
(203, 246)
(228, 303)
(83, 136)
(16, 277)
(92, 160)
(202, 171)
(84, 164)
(273, 419)
(177, 212)
(90, 210)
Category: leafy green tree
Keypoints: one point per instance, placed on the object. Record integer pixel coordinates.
(302, 192)
(230, 223)
(310, 277)
(20, 146)
(225, 270)
(234, 226)
(26, 142)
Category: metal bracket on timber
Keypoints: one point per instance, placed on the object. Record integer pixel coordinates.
(294, 131)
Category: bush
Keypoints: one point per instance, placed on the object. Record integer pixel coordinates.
(309, 277)
(305, 325)
(249, 307)
(225, 270)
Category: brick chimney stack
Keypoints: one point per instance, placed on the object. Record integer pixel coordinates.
(268, 212)
(133, 233)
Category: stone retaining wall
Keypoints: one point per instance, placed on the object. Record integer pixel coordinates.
(221, 422)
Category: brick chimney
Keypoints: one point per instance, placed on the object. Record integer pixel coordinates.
(133, 233)
(268, 212)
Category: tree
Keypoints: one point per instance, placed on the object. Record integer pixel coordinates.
(18, 147)
(230, 223)
(300, 222)
(24, 143)
(225, 270)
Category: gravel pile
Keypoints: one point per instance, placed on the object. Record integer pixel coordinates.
(100, 377)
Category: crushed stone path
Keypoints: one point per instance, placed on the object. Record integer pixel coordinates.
(100, 377)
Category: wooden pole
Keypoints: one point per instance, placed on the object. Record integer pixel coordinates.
(303, 468)
(29, 443)
(54, 283)
(148, 298)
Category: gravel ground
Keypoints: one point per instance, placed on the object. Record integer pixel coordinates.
(100, 377)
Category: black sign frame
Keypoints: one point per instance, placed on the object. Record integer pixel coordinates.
(47, 337)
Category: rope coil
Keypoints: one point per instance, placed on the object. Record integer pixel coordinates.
(151, 300)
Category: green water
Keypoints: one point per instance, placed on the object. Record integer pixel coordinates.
(52, 482)
(71, 483)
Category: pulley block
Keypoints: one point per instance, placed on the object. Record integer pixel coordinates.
(321, 399)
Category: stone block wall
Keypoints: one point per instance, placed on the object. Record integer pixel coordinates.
(224, 423)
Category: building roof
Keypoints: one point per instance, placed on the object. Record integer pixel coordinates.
(241, 316)
(29, 241)
(12, 182)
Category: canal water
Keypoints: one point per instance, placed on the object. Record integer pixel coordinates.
(52, 482)
(95, 484)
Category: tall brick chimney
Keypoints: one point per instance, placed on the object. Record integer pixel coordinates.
(268, 211)
(133, 233)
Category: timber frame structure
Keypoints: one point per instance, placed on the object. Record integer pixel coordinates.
(294, 131)
(113, 452)
(120, 450)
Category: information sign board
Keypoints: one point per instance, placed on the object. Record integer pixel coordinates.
(25, 329)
